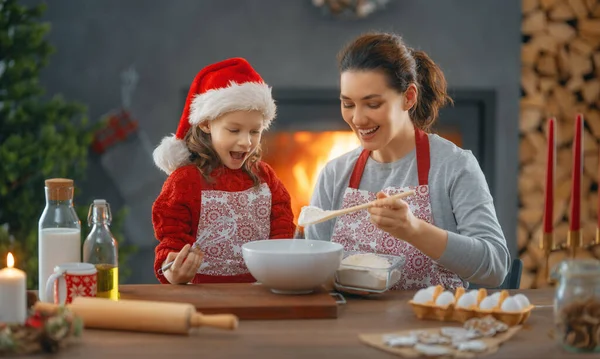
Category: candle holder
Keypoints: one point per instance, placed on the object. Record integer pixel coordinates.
(573, 245)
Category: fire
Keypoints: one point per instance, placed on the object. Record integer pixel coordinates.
(299, 157)
(10, 260)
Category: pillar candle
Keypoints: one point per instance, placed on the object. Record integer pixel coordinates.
(13, 293)
(550, 169)
(575, 219)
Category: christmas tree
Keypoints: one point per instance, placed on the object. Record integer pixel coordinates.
(40, 136)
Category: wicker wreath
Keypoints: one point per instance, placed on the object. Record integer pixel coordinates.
(41, 332)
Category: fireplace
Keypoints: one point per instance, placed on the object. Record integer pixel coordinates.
(309, 131)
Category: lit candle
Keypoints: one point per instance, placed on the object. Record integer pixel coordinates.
(13, 293)
(575, 220)
(550, 170)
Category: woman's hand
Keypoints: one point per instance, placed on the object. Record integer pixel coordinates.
(395, 217)
(185, 265)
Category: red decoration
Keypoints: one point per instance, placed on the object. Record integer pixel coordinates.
(575, 220)
(550, 171)
(119, 126)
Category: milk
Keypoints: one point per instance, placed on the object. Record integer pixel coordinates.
(56, 246)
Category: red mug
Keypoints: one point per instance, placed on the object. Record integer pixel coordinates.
(71, 280)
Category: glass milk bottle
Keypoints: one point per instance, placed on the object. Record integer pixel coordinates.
(59, 231)
(100, 248)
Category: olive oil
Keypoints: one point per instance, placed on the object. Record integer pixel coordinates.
(108, 281)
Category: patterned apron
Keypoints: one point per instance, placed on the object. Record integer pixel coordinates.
(356, 233)
(227, 221)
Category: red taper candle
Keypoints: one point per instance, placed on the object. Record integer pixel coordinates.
(575, 219)
(550, 169)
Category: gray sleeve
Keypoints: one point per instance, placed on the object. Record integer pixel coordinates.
(478, 252)
(323, 198)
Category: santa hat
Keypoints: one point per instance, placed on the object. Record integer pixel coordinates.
(223, 87)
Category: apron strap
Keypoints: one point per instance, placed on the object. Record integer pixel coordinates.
(359, 168)
(423, 161)
(423, 157)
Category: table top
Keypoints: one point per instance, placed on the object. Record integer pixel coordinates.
(314, 338)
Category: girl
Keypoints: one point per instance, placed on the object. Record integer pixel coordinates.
(218, 195)
(448, 231)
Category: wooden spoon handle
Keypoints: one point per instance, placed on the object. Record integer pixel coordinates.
(221, 321)
(370, 204)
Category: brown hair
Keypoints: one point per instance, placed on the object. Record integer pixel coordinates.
(204, 156)
(402, 66)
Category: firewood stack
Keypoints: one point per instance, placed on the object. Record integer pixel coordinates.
(560, 77)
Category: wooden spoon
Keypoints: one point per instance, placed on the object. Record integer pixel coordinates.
(313, 215)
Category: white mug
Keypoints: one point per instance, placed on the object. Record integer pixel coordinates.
(71, 280)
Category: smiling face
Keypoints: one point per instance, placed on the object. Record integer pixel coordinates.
(377, 113)
(235, 136)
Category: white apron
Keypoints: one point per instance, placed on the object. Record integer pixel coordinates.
(247, 217)
(356, 233)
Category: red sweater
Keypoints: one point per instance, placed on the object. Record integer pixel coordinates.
(176, 211)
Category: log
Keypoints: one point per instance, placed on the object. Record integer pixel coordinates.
(538, 100)
(527, 280)
(529, 54)
(579, 64)
(590, 147)
(575, 83)
(545, 42)
(561, 31)
(548, 4)
(546, 65)
(528, 6)
(593, 40)
(590, 27)
(566, 100)
(534, 198)
(534, 22)
(563, 61)
(531, 217)
(562, 12)
(561, 207)
(527, 152)
(591, 91)
(522, 237)
(590, 164)
(591, 4)
(552, 109)
(529, 264)
(564, 159)
(530, 118)
(547, 84)
(581, 46)
(596, 12)
(529, 80)
(579, 8)
(592, 120)
(596, 58)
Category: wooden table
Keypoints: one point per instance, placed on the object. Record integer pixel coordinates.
(324, 338)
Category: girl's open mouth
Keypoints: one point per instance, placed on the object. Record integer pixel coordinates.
(238, 155)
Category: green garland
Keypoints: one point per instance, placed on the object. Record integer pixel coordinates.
(41, 332)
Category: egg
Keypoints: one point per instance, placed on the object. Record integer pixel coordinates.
(444, 299)
(496, 296)
(431, 289)
(510, 304)
(467, 300)
(423, 296)
(488, 303)
(522, 300)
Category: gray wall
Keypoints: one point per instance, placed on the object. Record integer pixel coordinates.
(291, 43)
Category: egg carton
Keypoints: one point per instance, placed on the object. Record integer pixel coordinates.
(445, 306)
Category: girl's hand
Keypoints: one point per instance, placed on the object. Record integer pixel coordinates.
(394, 216)
(186, 264)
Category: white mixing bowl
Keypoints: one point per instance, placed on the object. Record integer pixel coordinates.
(292, 266)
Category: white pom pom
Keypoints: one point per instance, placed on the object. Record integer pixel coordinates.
(171, 154)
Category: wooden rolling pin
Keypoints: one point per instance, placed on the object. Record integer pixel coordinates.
(141, 316)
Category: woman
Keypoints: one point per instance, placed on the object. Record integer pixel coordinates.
(448, 231)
